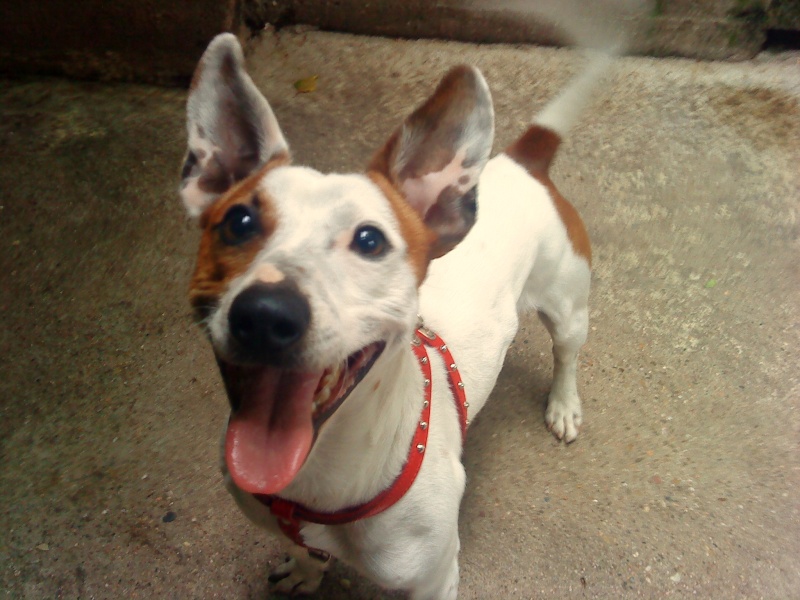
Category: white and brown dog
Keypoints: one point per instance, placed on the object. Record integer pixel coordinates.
(343, 435)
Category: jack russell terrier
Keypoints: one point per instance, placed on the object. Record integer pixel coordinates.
(360, 320)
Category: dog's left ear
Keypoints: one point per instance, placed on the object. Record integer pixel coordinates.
(232, 129)
(436, 156)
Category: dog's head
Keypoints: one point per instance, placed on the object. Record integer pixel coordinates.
(304, 278)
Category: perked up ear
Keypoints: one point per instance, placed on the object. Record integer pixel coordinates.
(232, 129)
(436, 156)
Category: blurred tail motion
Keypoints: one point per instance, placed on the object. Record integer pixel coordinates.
(605, 25)
(563, 111)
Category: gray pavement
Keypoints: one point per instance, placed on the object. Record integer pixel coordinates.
(684, 479)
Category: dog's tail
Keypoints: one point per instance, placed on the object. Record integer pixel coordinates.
(537, 147)
(561, 113)
(609, 27)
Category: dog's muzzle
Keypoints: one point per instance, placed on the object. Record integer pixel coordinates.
(278, 404)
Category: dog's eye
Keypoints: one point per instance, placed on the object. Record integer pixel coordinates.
(369, 241)
(239, 225)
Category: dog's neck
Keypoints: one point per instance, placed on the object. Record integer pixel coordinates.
(362, 448)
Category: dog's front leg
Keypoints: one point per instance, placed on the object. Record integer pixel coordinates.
(301, 573)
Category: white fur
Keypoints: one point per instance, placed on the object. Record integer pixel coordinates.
(516, 257)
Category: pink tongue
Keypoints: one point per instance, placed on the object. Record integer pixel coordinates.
(270, 436)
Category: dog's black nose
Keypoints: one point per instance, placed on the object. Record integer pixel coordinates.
(268, 320)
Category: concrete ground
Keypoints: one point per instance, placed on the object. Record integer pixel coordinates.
(684, 479)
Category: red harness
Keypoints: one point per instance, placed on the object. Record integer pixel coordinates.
(291, 515)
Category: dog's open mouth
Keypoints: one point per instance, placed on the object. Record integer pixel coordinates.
(276, 414)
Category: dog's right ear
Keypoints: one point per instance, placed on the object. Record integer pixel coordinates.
(232, 129)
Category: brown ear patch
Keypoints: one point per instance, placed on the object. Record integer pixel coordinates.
(535, 151)
(443, 144)
(452, 216)
(442, 118)
(440, 121)
(218, 263)
(418, 237)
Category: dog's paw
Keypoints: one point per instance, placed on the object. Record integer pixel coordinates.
(564, 417)
(298, 576)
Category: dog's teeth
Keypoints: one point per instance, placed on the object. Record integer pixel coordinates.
(324, 392)
(325, 388)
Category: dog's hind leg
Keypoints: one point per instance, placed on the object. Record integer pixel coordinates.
(301, 573)
(568, 323)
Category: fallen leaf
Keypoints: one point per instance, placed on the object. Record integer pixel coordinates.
(307, 85)
(711, 283)
(43, 547)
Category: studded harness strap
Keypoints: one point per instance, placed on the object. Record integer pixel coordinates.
(291, 515)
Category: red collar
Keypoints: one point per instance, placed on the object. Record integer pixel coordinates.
(291, 515)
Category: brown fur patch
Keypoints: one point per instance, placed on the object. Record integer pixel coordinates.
(218, 263)
(535, 151)
(418, 237)
(438, 125)
(441, 120)
(576, 230)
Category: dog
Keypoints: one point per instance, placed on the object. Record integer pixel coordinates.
(311, 288)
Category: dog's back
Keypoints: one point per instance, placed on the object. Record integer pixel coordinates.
(528, 250)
